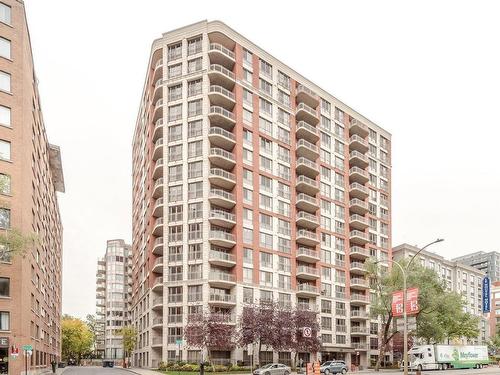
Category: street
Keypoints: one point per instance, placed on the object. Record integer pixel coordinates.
(489, 370)
(94, 370)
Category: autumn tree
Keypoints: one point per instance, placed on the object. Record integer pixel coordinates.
(129, 337)
(76, 338)
(305, 318)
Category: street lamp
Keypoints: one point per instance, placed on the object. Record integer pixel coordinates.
(404, 271)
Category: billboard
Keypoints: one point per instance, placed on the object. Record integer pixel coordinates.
(411, 302)
(486, 295)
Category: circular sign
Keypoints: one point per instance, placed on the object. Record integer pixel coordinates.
(307, 332)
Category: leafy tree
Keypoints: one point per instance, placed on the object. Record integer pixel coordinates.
(76, 338)
(129, 336)
(90, 320)
(13, 242)
(494, 344)
(305, 318)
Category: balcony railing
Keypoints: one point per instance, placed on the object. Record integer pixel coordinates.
(222, 153)
(308, 127)
(307, 198)
(358, 233)
(358, 202)
(220, 69)
(218, 172)
(309, 270)
(307, 144)
(222, 194)
(216, 89)
(218, 297)
(214, 130)
(218, 234)
(220, 214)
(307, 234)
(221, 111)
(308, 163)
(307, 90)
(220, 48)
(307, 180)
(307, 288)
(307, 252)
(221, 276)
(304, 107)
(359, 282)
(357, 250)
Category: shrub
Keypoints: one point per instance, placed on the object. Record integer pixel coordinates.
(162, 366)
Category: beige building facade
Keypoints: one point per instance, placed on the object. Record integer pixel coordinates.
(250, 183)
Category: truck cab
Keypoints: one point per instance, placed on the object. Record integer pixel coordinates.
(422, 357)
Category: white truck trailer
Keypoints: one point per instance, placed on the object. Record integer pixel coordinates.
(442, 357)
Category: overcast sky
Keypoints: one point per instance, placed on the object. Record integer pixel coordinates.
(427, 71)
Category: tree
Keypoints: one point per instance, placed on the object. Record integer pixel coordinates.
(76, 338)
(494, 344)
(129, 336)
(305, 318)
(90, 320)
(13, 242)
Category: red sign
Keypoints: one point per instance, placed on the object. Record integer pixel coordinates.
(411, 302)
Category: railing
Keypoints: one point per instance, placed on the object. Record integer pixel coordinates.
(159, 163)
(158, 182)
(158, 280)
(158, 83)
(218, 172)
(355, 122)
(360, 345)
(309, 270)
(309, 127)
(358, 233)
(358, 170)
(358, 265)
(307, 198)
(221, 69)
(157, 321)
(359, 250)
(359, 218)
(157, 301)
(359, 314)
(307, 90)
(221, 48)
(357, 138)
(307, 144)
(307, 216)
(222, 193)
(304, 107)
(158, 261)
(215, 151)
(308, 252)
(158, 63)
(215, 130)
(358, 186)
(358, 202)
(357, 154)
(307, 180)
(307, 288)
(359, 329)
(157, 341)
(308, 234)
(159, 142)
(307, 162)
(159, 103)
(359, 282)
(221, 90)
(220, 255)
(159, 202)
(221, 111)
(221, 276)
(220, 214)
(359, 297)
(217, 297)
(218, 234)
(159, 221)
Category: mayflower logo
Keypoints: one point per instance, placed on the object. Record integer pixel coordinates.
(468, 355)
(455, 354)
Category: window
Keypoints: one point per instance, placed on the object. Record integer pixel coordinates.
(283, 117)
(326, 106)
(266, 260)
(266, 106)
(5, 48)
(247, 196)
(194, 87)
(247, 116)
(175, 173)
(4, 183)
(247, 56)
(174, 51)
(247, 275)
(194, 45)
(195, 128)
(266, 68)
(266, 87)
(266, 278)
(4, 80)
(266, 184)
(4, 287)
(195, 190)
(284, 98)
(175, 92)
(247, 256)
(5, 14)
(195, 211)
(247, 235)
(266, 163)
(174, 113)
(195, 149)
(4, 218)
(195, 108)
(247, 97)
(195, 65)
(266, 240)
(174, 70)
(195, 169)
(175, 153)
(265, 126)
(4, 321)
(266, 202)
(247, 156)
(247, 76)
(283, 80)
(266, 222)
(247, 177)
(4, 115)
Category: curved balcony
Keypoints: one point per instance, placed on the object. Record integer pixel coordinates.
(359, 331)
(358, 159)
(307, 149)
(222, 178)
(221, 238)
(222, 198)
(307, 220)
(158, 110)
(356, 190)
(307, 131)
(306, 113)
(158, 168)
(308, 273)
(307, 290)
(357, 315)
(221, 117)
(158, 246)
(221, 55)
(357, 143)
(221, 158)
(158, 130)
(358, 222)
(359, 283)
(307, 237)
(222, 218)
(307, 96)
(307, 185)
(307, 203)
(306, 254)
(157, 284)
(158, 265)
(359, 252)
(157, 323)
(221, 76)
(356, 127)
(307, 167)
(100, 287)
(158, 149)
(157, 303)
(221, 258)
(221, 279)
(158, 188)
(158, 70)
(358, 268)
(221, 138)
(357, 206)
(158, 227)
(158, 89)
(158, 208)
(221, 96)
(359, 299)
(157, 342)
(357, 237)
(359, 175)
(222, 300)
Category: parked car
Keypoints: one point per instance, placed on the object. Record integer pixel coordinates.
(333, 367)
(273, 369)
(61, 364)
(71, 362)
(108, 363)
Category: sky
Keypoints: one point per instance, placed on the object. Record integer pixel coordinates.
(426, 71)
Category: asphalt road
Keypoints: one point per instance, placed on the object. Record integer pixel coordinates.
(489, 371)
(95, 371)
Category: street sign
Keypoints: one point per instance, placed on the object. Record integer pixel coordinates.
(411, 323)
(178, 341)
(306, 332)
(27, 347)
(486, 295)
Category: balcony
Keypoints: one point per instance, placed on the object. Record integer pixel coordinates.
(307, 203)
(359, 315)
(219, 257)
(158, 227)
(357, 237)
(158, 89)
(158, 110)
(359, 299)
(359, 144)
(360, 346)
(307, 131)
(158, 188)
(359, 252)
(222, 218)
(221, 55)
(158, 169)
(221, 117)
(307, 149)
(357, 206)
(358, 222)
(359, 331)
(359, 175)
(158, 208)
(308, 273)
(356, 127)
(307, 185)
(307, 290)
(307, 167)
(158, 246)
(157, 284)
(158, 149)
(100, 286)
(221, 238)
(221, 158)
(222, 198)
(221, 96)
(158, 70)
(221, 76)
(158, 130)
(307, 220)
(221, 279)
(157, 323)
(356, 190)
(157, 303)
(358, 268)
(305, 254)
(306, 113)
(223, 300)
(307, 96)
(358, 159)
(359, 283)
(158, 265)
(307, 237)
(222, 178)
(221, 138)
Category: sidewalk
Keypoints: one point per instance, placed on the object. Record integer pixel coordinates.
(145, 371)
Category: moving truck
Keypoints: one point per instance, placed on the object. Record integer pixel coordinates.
(441, 357)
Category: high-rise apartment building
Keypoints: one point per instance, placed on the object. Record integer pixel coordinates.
(251, 182)
(459, 278)
(486, 262)
(113, 297)
(30, 174)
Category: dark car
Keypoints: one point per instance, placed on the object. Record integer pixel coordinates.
(71, 362)
(106, 363)
(61, 364)
(333, 367)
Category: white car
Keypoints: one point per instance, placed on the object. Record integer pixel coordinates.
(273, 369)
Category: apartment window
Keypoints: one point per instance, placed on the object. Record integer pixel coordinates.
(266, 106)
(283, 135)
(194, 251)
(175, 193)
(247, 295)
(5, 48)
(4, 218)
(266, 87)
(194, 45)
(195, 210)
(195, 272)
(326, 106)
(284, 171)
(195, 149)
(247, 235)
(4, 184)
(339, 147)
(266, 202)
(247, 116)
(326, 306)
(284, 245)
(283, 190)
(266, 222)
(247, 136)
(175, 213)
(247, 275)
(4, 287)
(247, 196)
(266, 260)
(195, 108)
(283, 117)
(247, 56)
(175, 153)
(283, 80)
(174, 51)
(175, 112)
(339, 131)
(266, 184)
(195, 65)
(247, 255)
(195, 87)
(284, 98)
(283, 208)
(266, 163)
(195, 128)
(4, 80)
(175, 173)
(326, 140)
(266, 278)
(175, 92)
(284, 227)
(175, 70)
(284, 282)
(284, 264)
(339, 115)
(4, 321)
(5, 115)
(266, 240)
(195, 231)
(266, 69)
(266, 145)
(247, 76)
(265, 126)
(247, 97)
(247, 156)
(195, 169)
(5, 14)
(195, 190)
(247, 177)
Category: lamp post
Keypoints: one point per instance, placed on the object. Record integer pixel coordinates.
(404, 271)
